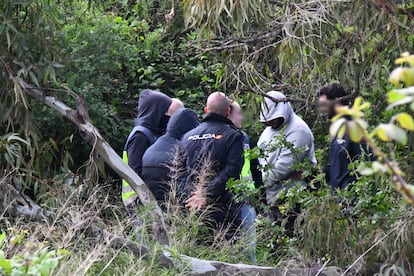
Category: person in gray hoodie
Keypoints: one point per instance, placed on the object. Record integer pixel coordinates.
(281, 121)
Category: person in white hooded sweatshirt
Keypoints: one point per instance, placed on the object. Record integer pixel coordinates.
(281, 120)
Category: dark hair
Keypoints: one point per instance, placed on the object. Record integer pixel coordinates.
(334, 91)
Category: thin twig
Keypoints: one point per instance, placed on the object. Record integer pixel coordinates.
(370, 248)
(323, 267)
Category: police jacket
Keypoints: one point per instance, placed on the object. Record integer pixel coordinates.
(219, 145)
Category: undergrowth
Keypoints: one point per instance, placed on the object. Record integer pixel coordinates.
(331, 230)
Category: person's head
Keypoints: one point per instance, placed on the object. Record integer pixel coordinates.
(236, 115)
(152, 110)
(219, 104)
(327, 94)
(175, 105)
(182, 121)
(275, 114)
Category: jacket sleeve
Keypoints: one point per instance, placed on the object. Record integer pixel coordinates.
(282, 167)
(136, 148)
(255, 169)
(232, 168)
(256, 173)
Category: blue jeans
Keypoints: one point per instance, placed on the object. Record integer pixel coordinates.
(248, 215)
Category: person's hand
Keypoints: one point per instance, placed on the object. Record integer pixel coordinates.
(196, 201)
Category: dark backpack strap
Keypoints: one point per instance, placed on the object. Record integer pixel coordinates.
(151, 137)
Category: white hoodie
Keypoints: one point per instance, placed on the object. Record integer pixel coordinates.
(281, 160)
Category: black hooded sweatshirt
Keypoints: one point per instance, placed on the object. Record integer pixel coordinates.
(152, 109)
(159, 156)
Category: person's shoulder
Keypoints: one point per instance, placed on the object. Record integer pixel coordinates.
(138, 137)
(245, 135)
(234, 131)
(190, 133)
(300, 125)
(194, 130)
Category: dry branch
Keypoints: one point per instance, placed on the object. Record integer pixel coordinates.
(392, 9)
(349, 97)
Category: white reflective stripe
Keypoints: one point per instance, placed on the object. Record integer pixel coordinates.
(130, 200)
(127, 189)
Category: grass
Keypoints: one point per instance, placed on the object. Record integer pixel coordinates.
(323, 235)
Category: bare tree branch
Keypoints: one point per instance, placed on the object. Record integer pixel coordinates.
(390, 8)
(236, 41)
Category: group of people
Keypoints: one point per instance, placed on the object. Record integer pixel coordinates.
(211, 152)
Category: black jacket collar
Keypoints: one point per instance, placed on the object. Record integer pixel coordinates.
(213, 117)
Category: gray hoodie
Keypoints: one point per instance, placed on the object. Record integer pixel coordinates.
(280, 160)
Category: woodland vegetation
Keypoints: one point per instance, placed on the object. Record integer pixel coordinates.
(69, 84)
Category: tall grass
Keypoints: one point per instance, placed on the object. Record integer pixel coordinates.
(370, 240)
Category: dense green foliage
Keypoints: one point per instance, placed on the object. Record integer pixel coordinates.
(108, 51)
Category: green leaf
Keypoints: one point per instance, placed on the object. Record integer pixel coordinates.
(338, 128)
(14, 137)
(58, 65)
(405, 100)
(63, 252)
(405, 120)
(34, 78)
(6, 266)
(390, 132)
(377, 167)
(394, 96)
(363, 169)
(54, 144)
(2, 238)
(411, 188)
(355, 132)
(402, 74)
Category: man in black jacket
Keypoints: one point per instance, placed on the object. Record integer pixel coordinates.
(158, 158)
(218, 143)
(342, 151)
(154, 111)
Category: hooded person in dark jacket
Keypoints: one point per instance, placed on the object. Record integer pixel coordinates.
(154, 111)
(152, 114)
(159, 156)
